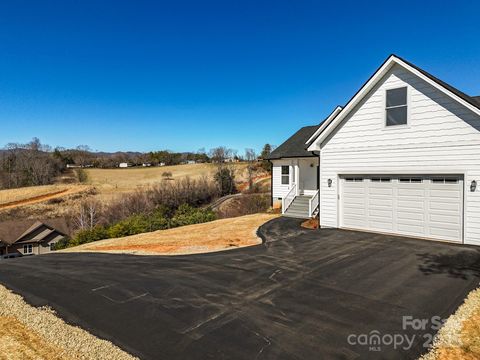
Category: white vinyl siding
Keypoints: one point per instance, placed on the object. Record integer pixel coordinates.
(307, 175)
(442, 137)
(279, 189)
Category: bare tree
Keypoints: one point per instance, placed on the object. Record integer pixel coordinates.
(28, 164)
(225, 174)
(87, 215)
(82, 155)
(250, 157)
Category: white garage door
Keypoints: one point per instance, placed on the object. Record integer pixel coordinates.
(424, 206)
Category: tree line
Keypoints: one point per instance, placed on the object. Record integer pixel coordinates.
(34, 163)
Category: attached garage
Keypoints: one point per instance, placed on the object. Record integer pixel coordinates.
(402, 157)
(427, 206)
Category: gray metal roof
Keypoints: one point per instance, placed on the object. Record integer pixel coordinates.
(295, 145)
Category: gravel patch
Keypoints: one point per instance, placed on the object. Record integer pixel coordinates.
(72, 342)
(452, 337)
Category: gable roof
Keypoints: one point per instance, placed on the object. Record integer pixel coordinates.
(472, 103)
(324, 124)
(294, 146)
(15, 230)
(477, 99)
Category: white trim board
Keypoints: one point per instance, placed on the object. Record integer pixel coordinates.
(325, 123)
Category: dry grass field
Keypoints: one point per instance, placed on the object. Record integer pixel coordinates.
(104, 185)
(29, 333)
(11, 195)
(30, 195)
(213, 236)
(110, 182)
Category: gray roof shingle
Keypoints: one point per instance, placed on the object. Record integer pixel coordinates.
(295, 145)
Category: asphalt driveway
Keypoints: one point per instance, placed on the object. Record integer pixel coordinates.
(304, 294)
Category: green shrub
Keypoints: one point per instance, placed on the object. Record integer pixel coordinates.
(187, 215)
(142, 223)
(132, 225)
(62, 244)
(82, 175)
(225, 179)
(89, 235)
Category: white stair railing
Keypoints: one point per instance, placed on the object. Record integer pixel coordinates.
(288, 199)
(313, 204)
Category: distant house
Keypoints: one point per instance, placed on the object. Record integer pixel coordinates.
(30, 237)
(124, 165)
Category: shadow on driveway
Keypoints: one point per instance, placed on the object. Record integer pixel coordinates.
(303, 294)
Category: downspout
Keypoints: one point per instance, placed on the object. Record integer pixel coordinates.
(319, 183)
(271, 183)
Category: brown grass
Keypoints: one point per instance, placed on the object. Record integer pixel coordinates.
(27, 332)
(459, 338)
(36, 194)
(11, 195)
(192, 239)
(112, 181)
(19, 342)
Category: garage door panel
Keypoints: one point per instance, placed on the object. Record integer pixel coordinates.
(445, 194)
(445, 234)
(355, 213)
(381, 203)
(415, 206)
(446, 219)
(410, 215)
(450, 206)
(381, 213)
(410, 193)
(355, 222)
(411, 204)
(410, 229)
(379, 225)
(381, 191)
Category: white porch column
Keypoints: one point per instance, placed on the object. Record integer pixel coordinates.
(297, 178)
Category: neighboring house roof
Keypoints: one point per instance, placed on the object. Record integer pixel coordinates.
(472, 103)
(16, 231)
(294, 146)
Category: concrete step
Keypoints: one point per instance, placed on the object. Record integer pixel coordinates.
(297, 212)
(301, 216)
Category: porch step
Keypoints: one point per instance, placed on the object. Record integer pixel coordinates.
(298, 208)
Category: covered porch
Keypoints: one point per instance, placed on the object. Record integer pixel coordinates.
(295, 186)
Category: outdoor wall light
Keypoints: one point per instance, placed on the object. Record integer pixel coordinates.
(473, 186)
(329, 182)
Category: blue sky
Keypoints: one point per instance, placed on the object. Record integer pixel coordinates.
(182, 75)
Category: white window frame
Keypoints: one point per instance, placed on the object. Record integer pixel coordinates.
(282, 175)
(407, 124)
(27, 248)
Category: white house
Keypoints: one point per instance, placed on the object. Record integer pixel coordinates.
(401, 157)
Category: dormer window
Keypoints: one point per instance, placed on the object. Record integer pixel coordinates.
(396, 107)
